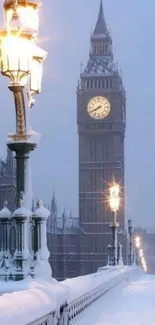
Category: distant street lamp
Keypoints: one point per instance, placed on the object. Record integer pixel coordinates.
(141, 253)
(138, 241)
(138, 245)
(143, 262)
(114, 202)
(130, 230)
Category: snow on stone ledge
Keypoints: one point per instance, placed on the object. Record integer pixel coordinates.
(21, 211)
(23, 307)
(41, 211)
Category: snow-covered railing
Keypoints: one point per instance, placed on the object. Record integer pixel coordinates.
(48, 319)
(79, 305)
(100, 283)
(36, 302)
(58, 303)
(58, 317)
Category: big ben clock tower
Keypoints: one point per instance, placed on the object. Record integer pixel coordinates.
(101, 108)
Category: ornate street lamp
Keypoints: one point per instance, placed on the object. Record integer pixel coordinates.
(130, 230)
(21, 61)
(141, 253)
(114, 202)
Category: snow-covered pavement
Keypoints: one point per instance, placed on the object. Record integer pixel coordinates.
(127, 304)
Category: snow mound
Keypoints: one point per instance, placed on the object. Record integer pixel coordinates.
(25, 306)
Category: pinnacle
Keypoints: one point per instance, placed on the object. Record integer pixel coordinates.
(5, 204)
(53, 201)
(53, 198)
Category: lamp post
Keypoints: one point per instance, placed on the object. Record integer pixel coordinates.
(109, 254)
(21, 61)
(130, 229)
(114, 202)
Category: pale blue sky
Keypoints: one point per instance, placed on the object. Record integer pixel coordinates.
(65, 33)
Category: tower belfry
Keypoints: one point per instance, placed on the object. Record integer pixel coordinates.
(101, 107)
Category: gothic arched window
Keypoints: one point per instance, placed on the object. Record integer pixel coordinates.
(106, 83)
(106, 48)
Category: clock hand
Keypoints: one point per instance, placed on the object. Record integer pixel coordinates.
(95, 109)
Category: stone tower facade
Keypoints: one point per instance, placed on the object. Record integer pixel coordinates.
(8, 181)
(63, 239)
(101, 118)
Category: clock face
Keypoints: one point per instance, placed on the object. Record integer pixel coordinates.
(98, 107)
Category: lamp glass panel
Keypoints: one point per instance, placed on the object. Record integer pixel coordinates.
(8, 15)
(114, 190)
(36, 76)
(4, 61)
(16, 54)
(28, 16)
(114, 203)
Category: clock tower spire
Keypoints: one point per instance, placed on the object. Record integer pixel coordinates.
(101, 43)
(101, 26)
(101, 110)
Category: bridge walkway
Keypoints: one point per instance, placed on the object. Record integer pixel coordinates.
(130, 303)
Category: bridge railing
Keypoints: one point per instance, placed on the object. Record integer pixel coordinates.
(105, 284)
(54, 318)
(46, 320)
(60, 307)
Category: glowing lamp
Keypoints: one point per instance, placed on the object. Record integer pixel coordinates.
(138, 242)
(141, 253)
(114, 198)
(114, 190)
(16, 52)
(36, 71)
(27, 10)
